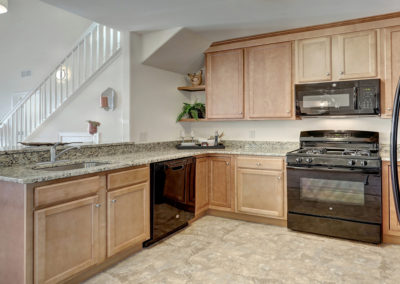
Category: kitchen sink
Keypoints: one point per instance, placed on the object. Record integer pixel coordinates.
(75, 166)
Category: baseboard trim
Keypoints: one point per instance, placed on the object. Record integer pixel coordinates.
(248, 218)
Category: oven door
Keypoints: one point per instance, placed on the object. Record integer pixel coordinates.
(341, 101)
(339, 193)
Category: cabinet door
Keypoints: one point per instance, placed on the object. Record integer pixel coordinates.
(261, 193)
(224, 84)
(313, 59)
(128, 217)
(390, 224)
(268, 81)
(392, 65)
(356, 55)
(202, 181)
(66, 239)
(220, 183)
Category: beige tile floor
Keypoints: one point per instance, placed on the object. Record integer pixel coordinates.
(217, 250)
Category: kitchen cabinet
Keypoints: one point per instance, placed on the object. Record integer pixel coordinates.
(66, 239)
(355, 55)
(202, 185)
(224, 84)
(392, 68)
(261, 187)
(314, 59)
(390, 224)
(268, 81)
(221, 183)
(128, 217)
(337, 57)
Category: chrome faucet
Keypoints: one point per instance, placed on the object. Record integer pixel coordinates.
(54, 155)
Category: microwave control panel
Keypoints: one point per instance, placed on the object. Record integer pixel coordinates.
(367, 98)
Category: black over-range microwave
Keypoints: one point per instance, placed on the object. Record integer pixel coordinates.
(361, 97)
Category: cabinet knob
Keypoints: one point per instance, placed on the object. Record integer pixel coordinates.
(288, 111)
(241, 112)
(258, 164)
(328, 74)
(278, 177)
(388, 109)
(113, 201)
(227, 163)
(97, 205)
(341, 72)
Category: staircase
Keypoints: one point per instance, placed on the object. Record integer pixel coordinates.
(94, 50)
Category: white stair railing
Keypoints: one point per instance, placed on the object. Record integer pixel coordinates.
(96, 47)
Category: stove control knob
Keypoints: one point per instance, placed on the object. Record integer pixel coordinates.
(309, 160)
(351, 162)
(298, 160)
(364, 163)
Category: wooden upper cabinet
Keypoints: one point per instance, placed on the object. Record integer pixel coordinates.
(66, 239)
(220, 183)
(313, 59)
(128, 217)
(392, 68)
(224, 84)
(355, 55)
(268, 81)
(202, 185)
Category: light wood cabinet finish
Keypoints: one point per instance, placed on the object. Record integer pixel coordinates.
(128, 177)
(260, 192)
(392, 68)
(128, 222)
(260, 163)
(356, 55)
(224, 84)
(65, 191)
(220, 183)
(314, 59)
(390, 224)
(202, 185)
(66, 239)
(268, 81)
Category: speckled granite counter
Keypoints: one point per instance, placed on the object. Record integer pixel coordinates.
(142, 155)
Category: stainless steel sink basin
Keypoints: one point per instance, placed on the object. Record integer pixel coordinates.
(81, 165)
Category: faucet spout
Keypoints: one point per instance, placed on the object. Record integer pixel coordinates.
(54, 155)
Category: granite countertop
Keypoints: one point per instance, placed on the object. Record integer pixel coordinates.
(26, 174)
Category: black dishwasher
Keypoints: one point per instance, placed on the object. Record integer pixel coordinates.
(172, 197)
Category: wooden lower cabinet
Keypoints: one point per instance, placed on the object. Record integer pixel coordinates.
(221, 183)
(66, 239)
(128, 217)
(260, 187)
(390, 224)
(202, 185)
(260, 192)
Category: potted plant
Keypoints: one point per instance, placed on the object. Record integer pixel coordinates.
(196, 111)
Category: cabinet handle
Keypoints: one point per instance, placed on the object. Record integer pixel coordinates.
(288, 111)
(113, 201)
(389, 109)
(97, 205)
(258, 164)
(241, 112)
(227, 163)
(341, 72)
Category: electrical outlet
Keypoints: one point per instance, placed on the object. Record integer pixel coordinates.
(143, 136)
(252, 134)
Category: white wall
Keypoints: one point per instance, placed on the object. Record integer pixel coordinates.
(290, 130)
(155, 101)
(33, 36)
(84, 106)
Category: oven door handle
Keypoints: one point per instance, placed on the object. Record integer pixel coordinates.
(393, 150)
(345, 170)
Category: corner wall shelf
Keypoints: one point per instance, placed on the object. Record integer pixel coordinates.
(192, 89)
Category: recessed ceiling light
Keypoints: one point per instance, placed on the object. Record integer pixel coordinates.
(3, 6)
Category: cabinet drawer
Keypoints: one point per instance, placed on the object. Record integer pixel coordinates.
(260, 163)
(129, 177)
(64, 191)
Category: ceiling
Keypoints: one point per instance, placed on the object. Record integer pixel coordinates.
(33, 36)
(223, 19)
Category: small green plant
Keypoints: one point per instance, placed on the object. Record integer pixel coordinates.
(196, 111)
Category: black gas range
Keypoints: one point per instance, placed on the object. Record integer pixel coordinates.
(334, 184)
